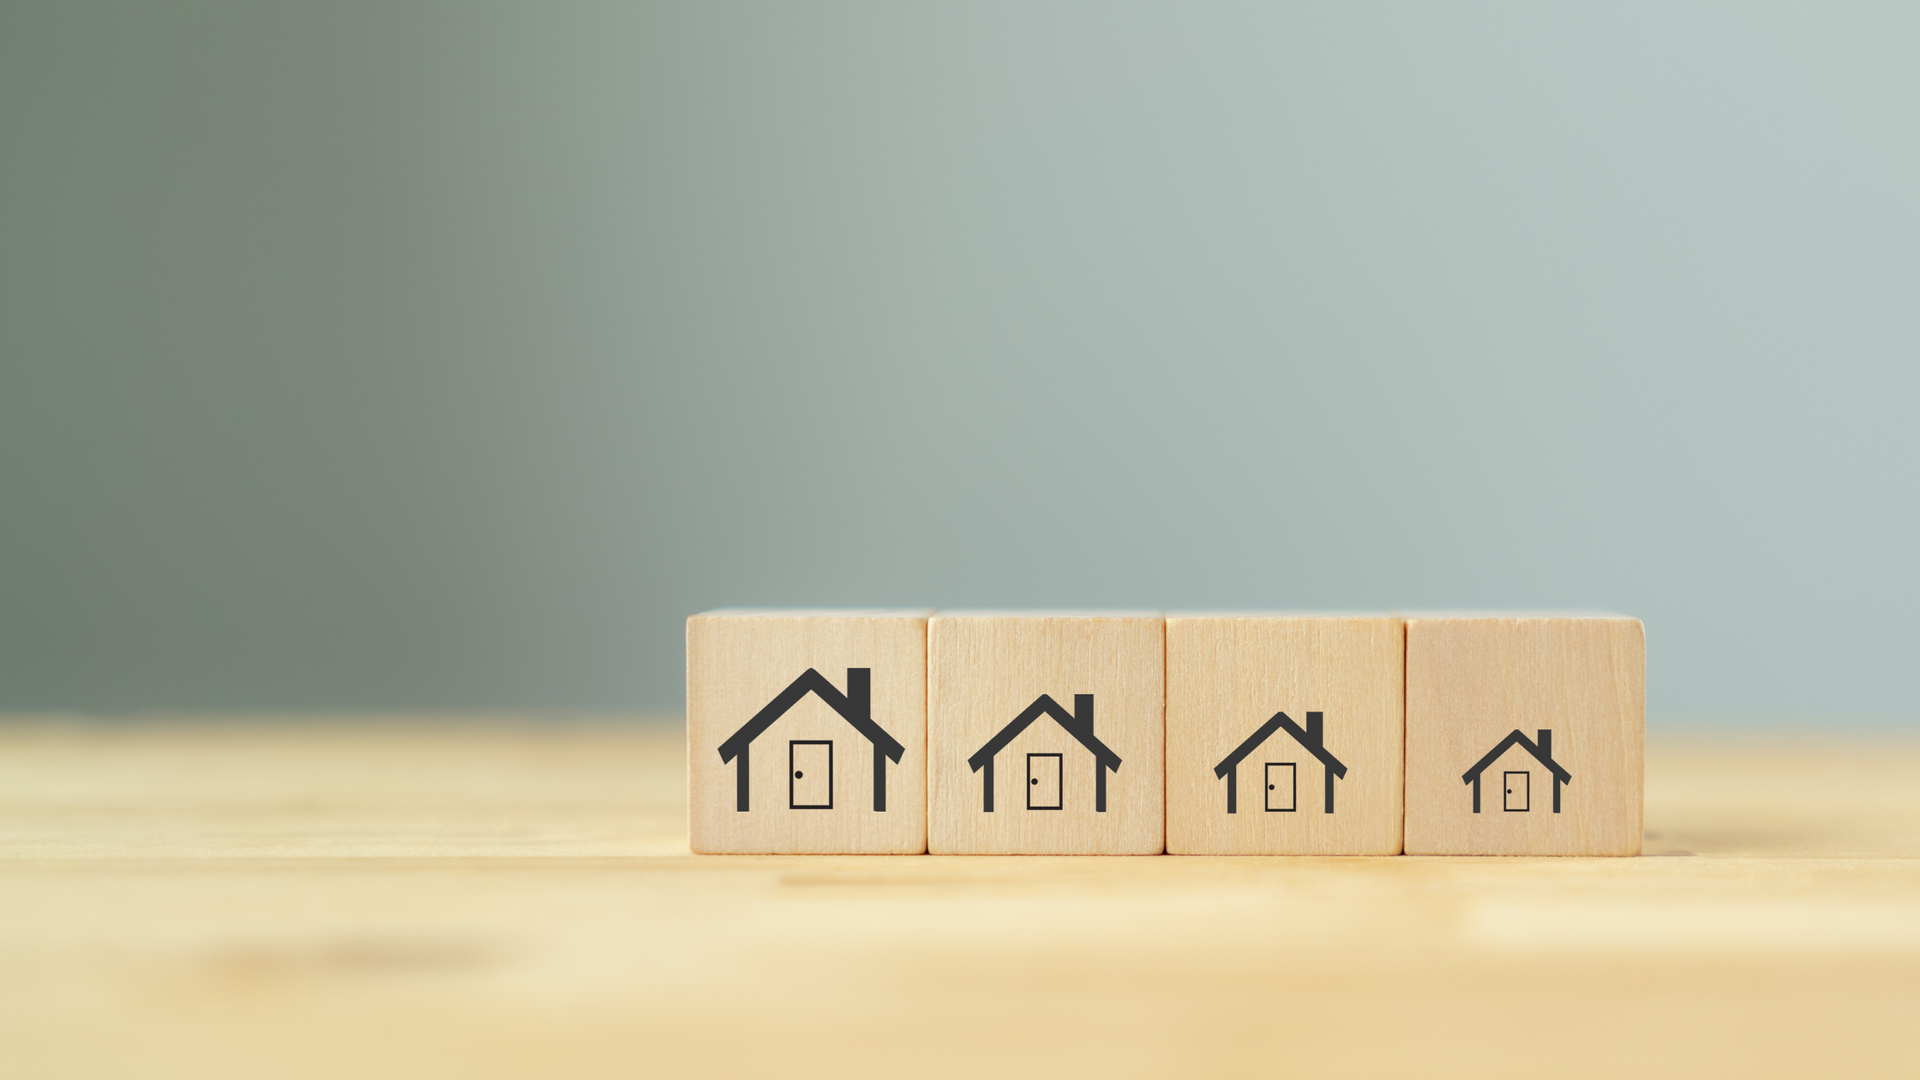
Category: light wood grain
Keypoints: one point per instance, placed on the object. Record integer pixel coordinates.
(811, 774)
(1474, 681)
(480, 899)
(1227, 676)
(984, 672)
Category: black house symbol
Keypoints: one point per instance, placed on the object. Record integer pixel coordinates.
(1542, 752)
(1078, 724)
(854, 707)
(1312, 740)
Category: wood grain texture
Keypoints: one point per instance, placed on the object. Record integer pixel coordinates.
(984, 673)
(811, 773)
(1472, 682)
(478, 898)
(1227, 677)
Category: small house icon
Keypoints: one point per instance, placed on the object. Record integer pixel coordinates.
(1280, 777)
(1044, 770)
(854, 707)
(1517, 785)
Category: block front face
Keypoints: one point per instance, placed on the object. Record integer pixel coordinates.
(1246, 696)
(1525, 735)
(812, 704)
(1046, 735)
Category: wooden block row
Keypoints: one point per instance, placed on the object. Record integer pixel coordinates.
(886, 732)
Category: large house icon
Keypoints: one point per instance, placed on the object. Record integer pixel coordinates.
(1518, 784)
(815, 755)
(1280, 777)
(1044, 770)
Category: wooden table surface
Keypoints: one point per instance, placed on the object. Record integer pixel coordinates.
(410, 898)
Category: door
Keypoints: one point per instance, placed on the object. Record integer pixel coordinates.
(1043, 781)
(1280, 790)
(1518, 785)
(810, 774)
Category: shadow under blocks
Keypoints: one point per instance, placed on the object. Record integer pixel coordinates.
(1525, 734)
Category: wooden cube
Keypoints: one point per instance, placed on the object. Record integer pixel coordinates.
(1525, 735)
(1046, 734)
(807, 732)
(1284, 734)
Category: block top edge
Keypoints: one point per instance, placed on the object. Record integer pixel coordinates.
(814, 613)
(1383, 615)
(1042, 613)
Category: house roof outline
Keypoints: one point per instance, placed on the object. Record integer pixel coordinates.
(855, 707)
(1280, 721)
(1078, 723)
(852, 706)
(1541, 752)
(1045, 705)
(1311, 738)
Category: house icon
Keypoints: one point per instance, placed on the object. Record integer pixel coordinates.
(815, 756)
(1518, 784)
(1280, 776)
(1044, 770)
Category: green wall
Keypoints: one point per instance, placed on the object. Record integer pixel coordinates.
(448, 355)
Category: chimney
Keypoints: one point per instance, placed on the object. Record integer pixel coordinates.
(1314, 735)
(1083, 712)
(1545, 742)
(860, 692)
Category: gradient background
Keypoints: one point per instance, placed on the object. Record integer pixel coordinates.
(446, 356)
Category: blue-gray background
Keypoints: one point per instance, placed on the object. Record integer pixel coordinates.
(375, 355)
